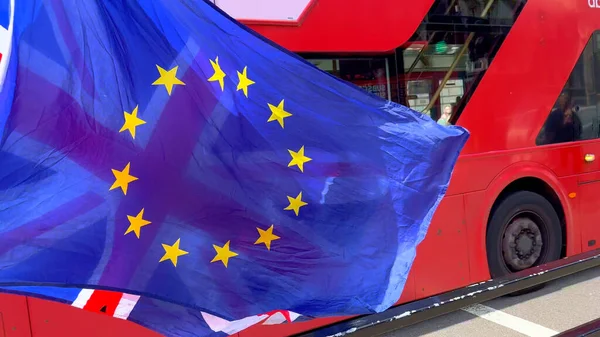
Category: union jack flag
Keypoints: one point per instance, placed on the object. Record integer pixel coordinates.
(143, 311)
(120, 305)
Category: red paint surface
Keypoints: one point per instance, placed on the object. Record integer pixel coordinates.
(504, 116)
(14, 317)
(50, 319)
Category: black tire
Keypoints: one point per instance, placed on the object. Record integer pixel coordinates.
(517, 209)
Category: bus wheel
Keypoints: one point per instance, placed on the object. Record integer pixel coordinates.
(524, 231)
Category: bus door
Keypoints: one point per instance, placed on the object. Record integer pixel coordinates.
(583, 91)
(589, 194)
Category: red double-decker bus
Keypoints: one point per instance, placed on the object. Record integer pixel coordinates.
(523, 76)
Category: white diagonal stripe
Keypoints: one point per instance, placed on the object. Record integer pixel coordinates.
(509, 321)
(126, 305)
(82, 298)
(6, 43)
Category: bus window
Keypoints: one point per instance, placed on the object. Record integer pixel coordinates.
(574, 116)
(441, 64)
(372, 74)
(452, 49)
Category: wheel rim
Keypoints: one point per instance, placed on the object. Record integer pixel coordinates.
(523, 241)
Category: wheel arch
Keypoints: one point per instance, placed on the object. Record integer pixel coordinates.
(527, 175)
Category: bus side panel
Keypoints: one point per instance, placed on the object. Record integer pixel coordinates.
(476, 219)
(52, 319)
(442, 261)
(14, 318)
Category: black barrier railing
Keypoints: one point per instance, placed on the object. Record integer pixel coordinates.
(411, 313)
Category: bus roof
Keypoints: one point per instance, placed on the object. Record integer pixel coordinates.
(339, 26)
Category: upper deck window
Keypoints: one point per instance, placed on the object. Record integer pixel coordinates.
(575, 114)
(442, 64)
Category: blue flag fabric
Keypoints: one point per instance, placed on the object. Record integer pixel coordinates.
(162, 149)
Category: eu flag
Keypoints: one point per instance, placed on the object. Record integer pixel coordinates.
(159, 148)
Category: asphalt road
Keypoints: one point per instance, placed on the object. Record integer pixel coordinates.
(561, 305)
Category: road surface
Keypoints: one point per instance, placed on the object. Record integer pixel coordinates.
(561, 305)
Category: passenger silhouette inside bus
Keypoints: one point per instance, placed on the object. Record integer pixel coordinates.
(445, 117)
(564, 123)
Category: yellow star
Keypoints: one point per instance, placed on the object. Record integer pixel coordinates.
(136, 223)
(245, 82)
(168, 78)
(298, 159)
(122, 179)
(223, 254)
(132, 121)
(295, 204)
(266, 237)
(278, 113)
(172, 252)
(219, 75)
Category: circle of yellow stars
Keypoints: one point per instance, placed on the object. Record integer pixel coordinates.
(169, 79)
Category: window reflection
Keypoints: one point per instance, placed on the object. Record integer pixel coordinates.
(575, 113)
